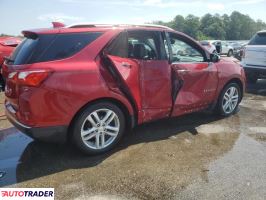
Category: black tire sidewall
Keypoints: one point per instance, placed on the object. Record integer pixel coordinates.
(76, 136)
(230, 53)
(220, 101)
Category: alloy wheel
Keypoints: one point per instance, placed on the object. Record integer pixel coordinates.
(100, 129)
(230, 100)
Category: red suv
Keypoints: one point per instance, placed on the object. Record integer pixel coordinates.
(88, 82)
(7, 45)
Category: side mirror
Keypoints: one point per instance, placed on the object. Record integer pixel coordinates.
(215, 57)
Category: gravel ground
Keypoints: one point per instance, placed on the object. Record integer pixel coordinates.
(198, 156)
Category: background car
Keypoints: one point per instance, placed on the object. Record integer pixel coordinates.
(87, 83)
(254, 57)
(209, 46)
(239, 48)
(226, 49)
(7, 45)
(222, 47)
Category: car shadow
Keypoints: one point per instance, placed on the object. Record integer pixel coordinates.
(27, 159)
(258, 88)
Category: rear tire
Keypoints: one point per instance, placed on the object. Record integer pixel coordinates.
(229, 100)
(98, 128)
(230, 53)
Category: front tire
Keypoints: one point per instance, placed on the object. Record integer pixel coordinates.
(229, 99)
(98, 128)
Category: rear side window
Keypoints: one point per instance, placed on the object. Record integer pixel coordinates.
(142, 45)
(119, 46)
(51, 47)
(258, 39)
(146, 45)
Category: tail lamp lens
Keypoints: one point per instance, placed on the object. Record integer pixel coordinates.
(32, 78)
(29, 78)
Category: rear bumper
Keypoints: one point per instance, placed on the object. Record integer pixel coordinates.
(55, 134)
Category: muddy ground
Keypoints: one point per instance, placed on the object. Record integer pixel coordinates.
(198, 156)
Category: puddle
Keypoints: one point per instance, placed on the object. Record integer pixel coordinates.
(239, 174)
(154, 161)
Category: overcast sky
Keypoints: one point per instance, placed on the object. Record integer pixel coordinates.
(17, 15)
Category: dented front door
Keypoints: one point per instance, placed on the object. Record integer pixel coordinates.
(194, 79)
(198, 86)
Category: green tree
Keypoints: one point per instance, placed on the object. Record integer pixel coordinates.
(178, 23)
(212, 26)
(192, 26)
(237, 26)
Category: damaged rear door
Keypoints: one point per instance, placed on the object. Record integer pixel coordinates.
(194, 78)
(139, 62)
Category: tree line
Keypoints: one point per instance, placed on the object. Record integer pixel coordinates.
(236, 26)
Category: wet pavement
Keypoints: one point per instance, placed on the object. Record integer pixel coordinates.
(198, 156)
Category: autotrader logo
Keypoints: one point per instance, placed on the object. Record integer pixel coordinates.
(27, 193)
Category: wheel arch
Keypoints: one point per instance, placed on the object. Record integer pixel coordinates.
(131, 120)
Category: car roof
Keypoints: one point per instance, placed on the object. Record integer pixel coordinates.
(89, 27)
(263, 31)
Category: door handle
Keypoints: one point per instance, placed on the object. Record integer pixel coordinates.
(125, 64)
(183, 71)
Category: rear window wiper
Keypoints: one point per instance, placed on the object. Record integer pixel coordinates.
(8, 59)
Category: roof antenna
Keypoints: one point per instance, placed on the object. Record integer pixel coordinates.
(58, 24)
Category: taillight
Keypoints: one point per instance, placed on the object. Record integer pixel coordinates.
(29, 78)
(32, 78)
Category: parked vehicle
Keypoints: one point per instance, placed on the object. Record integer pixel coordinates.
(226, 49)
(7, 45)
(254, 57)
(209, 46)
(239, 50)
(222, 47)
(88, 82)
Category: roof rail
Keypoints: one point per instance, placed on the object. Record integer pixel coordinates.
(262, 31)
(90, 25)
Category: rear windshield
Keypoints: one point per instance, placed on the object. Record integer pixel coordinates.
(258, 39)
(51, 47)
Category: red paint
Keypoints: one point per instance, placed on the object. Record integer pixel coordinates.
(7, 45)
(78, 80)
(200, 82)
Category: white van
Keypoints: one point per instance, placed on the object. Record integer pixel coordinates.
(254, 57)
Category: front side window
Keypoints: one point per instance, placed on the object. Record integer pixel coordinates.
(184, 51)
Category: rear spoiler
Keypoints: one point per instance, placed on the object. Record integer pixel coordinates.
(30, 34)
(33, 34)
(58, 25)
